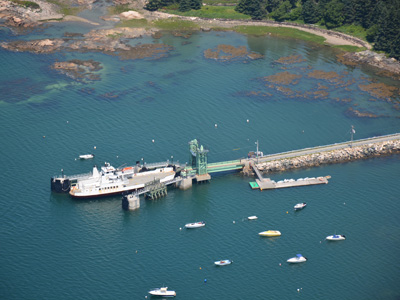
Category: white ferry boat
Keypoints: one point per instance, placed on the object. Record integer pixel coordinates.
(111, 181)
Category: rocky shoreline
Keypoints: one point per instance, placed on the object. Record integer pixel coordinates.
(19, 18)
(331, 157)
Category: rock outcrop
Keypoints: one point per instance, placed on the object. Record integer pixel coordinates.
(331, 157)
(371, 58)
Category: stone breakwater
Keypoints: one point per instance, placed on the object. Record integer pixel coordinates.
(331, 157)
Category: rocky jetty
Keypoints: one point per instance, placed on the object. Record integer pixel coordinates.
(331, 157)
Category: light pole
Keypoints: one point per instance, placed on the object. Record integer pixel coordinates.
(352, 133)
(172, 159)
(142, 159)
(257, 150)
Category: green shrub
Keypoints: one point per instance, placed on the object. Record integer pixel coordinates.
(27, 4)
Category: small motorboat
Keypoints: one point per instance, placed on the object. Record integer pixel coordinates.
(297, 259)
(86, 156)
(195, 225)
(270, 233)
(223, 262)
(336, 237)
(299, 206)
(252, 218)
(162, 292)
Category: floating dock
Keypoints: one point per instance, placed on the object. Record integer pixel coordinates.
(267, 184)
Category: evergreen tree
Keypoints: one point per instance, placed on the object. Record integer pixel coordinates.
(395, 50)
(371, 33)
(333, 15)
(388, 35)
(184, 5)
(272, 5)
(282, 12)
(310, 12)
(196, 4)
(349, 11)
(153, 5)
(253, 8)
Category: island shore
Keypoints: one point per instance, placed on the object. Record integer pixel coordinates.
(19, 18)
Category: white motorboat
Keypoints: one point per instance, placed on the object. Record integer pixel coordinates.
(299, 206)
(163, 291)
(297, 259)
(86, 156)
(270, 233)
(195, 225)
(223, 262)
(252, 218)
(336, 237)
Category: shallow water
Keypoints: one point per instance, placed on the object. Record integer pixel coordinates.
(56, 247)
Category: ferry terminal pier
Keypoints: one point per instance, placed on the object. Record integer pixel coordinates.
(199, 170)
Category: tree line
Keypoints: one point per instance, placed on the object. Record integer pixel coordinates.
(379, 18)
(182, 5)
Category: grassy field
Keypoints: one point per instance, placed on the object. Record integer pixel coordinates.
(137, 23)
(280, 31)
(349, 48)
(223, 2)
(212, 12)
(175, 24)
(353, 30)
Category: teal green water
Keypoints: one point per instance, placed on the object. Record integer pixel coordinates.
(53, 247)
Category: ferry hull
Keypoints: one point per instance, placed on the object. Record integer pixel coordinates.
(78, 194)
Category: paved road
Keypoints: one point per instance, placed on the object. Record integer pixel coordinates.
(308, 151)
